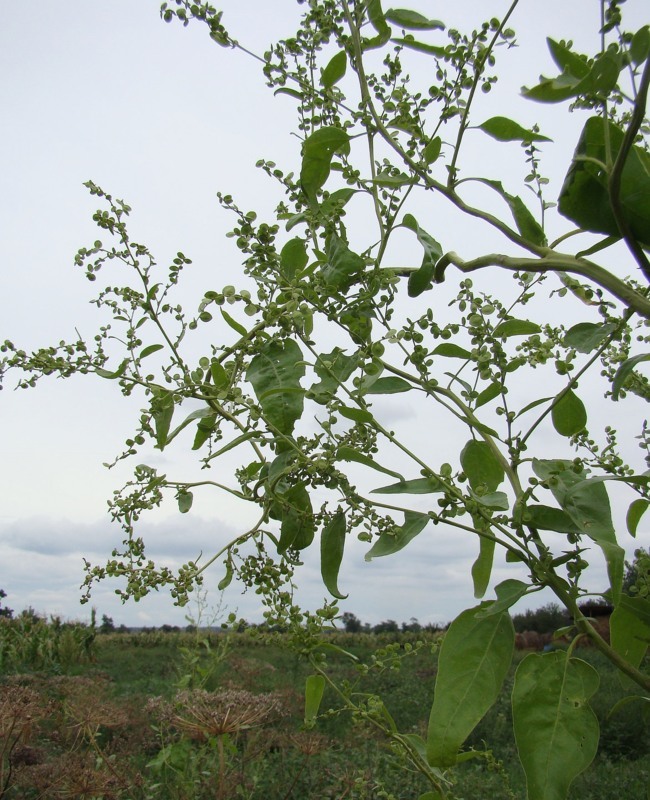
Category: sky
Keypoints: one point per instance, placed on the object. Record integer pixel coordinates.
(164, 118)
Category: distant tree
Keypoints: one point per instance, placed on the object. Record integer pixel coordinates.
(546, 619)
(4, 611)
(123, 629)
(412, 626)
(387, 626)
(107, 626)
(351, 622)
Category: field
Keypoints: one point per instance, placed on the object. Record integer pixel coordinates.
(188, 716)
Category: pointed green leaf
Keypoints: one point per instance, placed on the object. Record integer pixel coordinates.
(569, 414)
(516, 327)
(346, 453)
(634, 513)
(203, 431)
(506, 130)
(532, 405)
(236, 326)
(393, 541)
(629, 632)
(526, 223)
(377, 18)
(484, 471)
(297, 528)
(482, 567)
(508, 593)
(162, 410)
(587, 336)
(278, 364)
(600, 79)
(104, 373)
(335, 70)
(293, 257)
(389, 385)
(314, 690)
(640, 47)
(412, 20)
(624, 371)
(342, 264)
(431, 152)
(332, 544)
(568, 60)
(450, 350)
(421, 47)
(492, 391)
(153, 348)
(555, 728)
(474, 659)
(356, 414)
(333, 369)
(317, 152)
(497, 500)
(220, 378)
(200, 413)
(415, 486)
(549, 519)
(421, 280)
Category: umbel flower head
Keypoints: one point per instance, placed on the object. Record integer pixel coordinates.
(205, 713)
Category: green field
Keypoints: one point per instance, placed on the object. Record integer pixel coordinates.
(193, 716)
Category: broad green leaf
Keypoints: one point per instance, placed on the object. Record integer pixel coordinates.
(421, 47)
(293, 257)
(569, 414)
(220, 378)
(624, 371)
(333, 369)
(516, 327)
(236, 326)
(415, 486)
(497, 500)
(314, 690)
(451, 350)
(355, 414)
(431, 152)
(421, 280)
(474, 659)
(506, 130)
(153, 348)
(377, 17)
(389, 543)
(629, 633)
(549, 519)
(104, 373)
(297, 528)
(412, 20)
(335, 70)
(567, 60)
(336, 200)
(332, 544)
(555, 728)
(601, 79)
(640, 47)
(346, 453)
(508, 593)
(526, 223)
(389, 385)
(317, 152)
(343, 265)
(636, 510)
(492, 391)
(203, 431)
(391, 181)
(278, 364)
(484, 471)
(185, 500)
(482, 567)
(587, 336)
(584, 198)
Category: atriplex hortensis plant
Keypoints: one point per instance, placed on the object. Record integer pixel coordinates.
(334, 320)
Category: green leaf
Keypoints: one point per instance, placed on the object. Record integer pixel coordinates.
(332, 544)
(587, 336)
(317, 152)
(569, 414)
(389, 180)
(297, 528)
(482, 567)
(377, 18)
(343, 266)
(568, 60)
(550, 519)
(162, 411)
(555, 729)
(420, 47)
(225, 582)
(236, 326)
(634, 513)
(431, 152)
(498, 500)
(185, 500)
(516, 327)
(474, 659)
(412, 20)
(640, 47)
(450, 350)
(421, 280)
(508, 593)
(278, 364)
(484, 471)
(532, 405)
(584, 198)
(629, 631)
(203, 431)
(200, 413)
(393, 541)
(601, 79)
(415, 486)
(333, 369)
(153, 348)
(389, 385)
(624, 371)
(293, 257)
(526, 223)
(506, 130)
(314, 690)
(220, 378)
(104, 373)
(492, 391)
(335, 70)
(356, 414)
(346, 453)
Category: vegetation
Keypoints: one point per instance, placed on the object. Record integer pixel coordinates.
(332, 320)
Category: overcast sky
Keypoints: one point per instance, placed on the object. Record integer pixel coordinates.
(164, 118)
